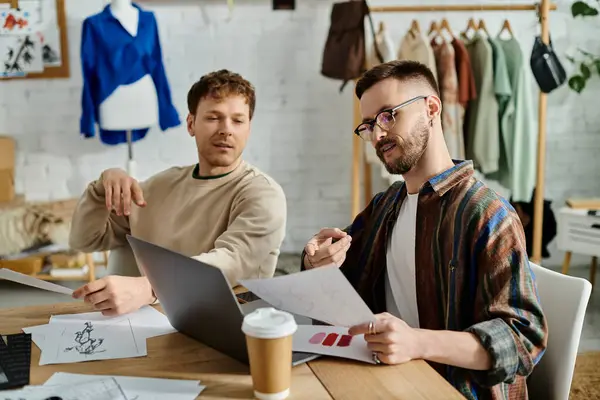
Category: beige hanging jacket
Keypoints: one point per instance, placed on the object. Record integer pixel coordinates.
(386, 48)
(416, 47)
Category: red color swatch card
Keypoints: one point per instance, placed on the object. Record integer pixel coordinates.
(331, 341)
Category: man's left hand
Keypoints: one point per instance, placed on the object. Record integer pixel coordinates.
(116, 295)
(394, 341)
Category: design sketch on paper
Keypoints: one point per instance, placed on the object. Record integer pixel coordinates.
(20, 54)
(86, 344)
(14, 21)
(50, 40)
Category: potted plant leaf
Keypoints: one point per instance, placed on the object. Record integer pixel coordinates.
(588, 63)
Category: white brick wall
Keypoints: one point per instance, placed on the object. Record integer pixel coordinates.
(302, 131)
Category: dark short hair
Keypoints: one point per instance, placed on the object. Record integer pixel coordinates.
(402, 70)
(219, 85)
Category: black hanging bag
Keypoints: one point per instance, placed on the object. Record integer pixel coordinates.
(546, 67)
(344, 55)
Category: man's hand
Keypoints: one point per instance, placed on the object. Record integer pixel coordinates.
(394, 341)
(320, 251)
(116, 295)
(120, 190)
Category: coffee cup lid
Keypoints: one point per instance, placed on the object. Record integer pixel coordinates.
(269, 323)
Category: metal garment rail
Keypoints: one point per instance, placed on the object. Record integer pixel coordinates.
(542, 9)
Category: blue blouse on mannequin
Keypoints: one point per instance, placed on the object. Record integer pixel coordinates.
(110, 57)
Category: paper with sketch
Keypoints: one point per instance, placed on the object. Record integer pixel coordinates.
(331, 341)
(17, 22)
(101, 389)
(31, 281)
(139, 388)
(87, 341)
(38, 334)
(321, 293)
(146, 322)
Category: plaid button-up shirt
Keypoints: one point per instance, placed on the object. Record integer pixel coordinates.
(472, 274)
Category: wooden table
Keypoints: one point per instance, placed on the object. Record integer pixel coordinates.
(178, 356)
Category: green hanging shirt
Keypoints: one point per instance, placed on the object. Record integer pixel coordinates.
(503, 91)
(483, 127)
(521, 146)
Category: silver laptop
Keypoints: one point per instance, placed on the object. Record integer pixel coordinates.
(198, 301)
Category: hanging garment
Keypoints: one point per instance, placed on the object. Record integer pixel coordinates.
(503, 91)
(448, 85)
(482, 131)
(416, 47)
(111, 57)
(466, 84)
(386, 49)
(521, 125)
(464, 72)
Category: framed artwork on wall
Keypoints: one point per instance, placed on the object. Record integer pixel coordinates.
(33, 39)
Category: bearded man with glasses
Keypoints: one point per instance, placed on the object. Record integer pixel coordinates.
(439, 258)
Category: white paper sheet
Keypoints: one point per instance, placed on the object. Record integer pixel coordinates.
(31, 281)
(331, 341)
(21, 54)
(146, 322)
(35, 9)
(87, 341)
(18, 22)
(321, 293)
(3, 378)
(139, 388)
(101, 389)
(51, 50)
(38, 334)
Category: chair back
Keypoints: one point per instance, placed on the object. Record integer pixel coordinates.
(564, 300)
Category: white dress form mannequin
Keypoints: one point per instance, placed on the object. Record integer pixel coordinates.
(133, 106)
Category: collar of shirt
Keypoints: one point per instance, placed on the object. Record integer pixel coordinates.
(446, 180)
(439, 184)
(107, 16)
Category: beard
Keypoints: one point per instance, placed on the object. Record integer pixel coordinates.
(410, 148)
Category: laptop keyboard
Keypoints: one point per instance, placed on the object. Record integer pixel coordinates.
(15, 360)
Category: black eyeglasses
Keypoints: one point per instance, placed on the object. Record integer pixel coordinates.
(385, 120)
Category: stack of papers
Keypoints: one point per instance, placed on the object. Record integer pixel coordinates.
(135, 388)
(91, 336)
(105, 389)
(100, 387)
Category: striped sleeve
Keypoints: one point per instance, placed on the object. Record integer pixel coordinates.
(512, 325)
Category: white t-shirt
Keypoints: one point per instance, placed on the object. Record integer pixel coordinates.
(400, 280)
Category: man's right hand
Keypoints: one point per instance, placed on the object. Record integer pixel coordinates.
(320, 251)
(120, 190)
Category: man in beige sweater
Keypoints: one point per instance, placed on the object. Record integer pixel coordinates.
(221, 211)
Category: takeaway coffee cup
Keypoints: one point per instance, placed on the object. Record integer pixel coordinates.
(269, 340)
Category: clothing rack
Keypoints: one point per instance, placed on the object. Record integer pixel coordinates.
(542, 9)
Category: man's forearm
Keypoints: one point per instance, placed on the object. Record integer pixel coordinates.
(459, 349)
(93, 227)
